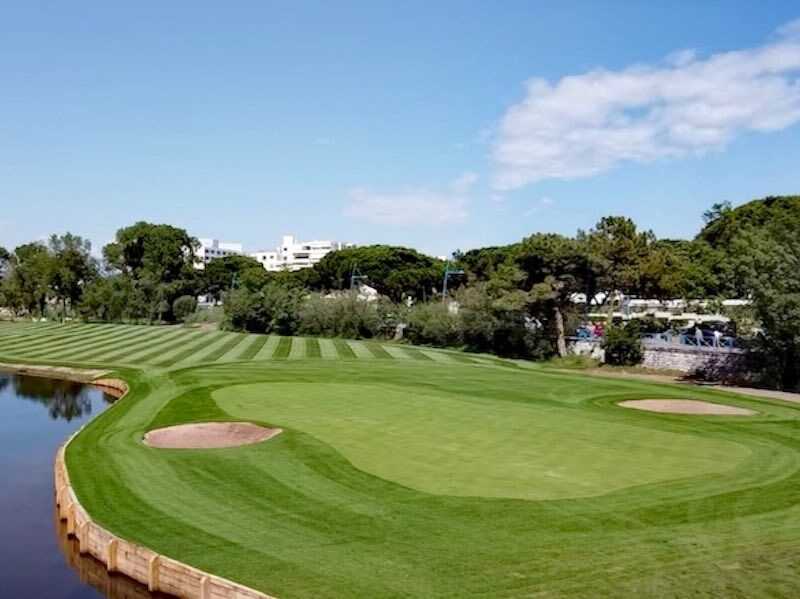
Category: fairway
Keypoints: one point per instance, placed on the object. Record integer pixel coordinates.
(404, 471)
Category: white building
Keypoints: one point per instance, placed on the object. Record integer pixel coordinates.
(295, 255)
(211, 249)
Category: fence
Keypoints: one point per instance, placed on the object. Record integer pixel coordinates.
(684, 340)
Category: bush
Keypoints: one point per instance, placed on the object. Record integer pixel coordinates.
(244, 311)
(433, 323)
(499, 323)
(183, 307)
(623, 344)
(274, 309)
(205, 315)
(107, 299)
(343, 315)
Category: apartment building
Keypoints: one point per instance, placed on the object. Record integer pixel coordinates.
(292, 254)
(211, 249)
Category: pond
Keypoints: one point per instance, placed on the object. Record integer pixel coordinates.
(36, 557)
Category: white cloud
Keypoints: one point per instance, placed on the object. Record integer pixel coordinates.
(405, 208)
(790, 29)
(323, 141)
(412, 207)
(680, 58)
(585, 124)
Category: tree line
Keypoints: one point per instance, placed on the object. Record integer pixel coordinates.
(517, 300)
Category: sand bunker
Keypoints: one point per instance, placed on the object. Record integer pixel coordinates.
(209, 435)
(685, 406)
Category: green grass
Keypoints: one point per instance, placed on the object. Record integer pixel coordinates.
(574, 362)
(283, 348)
(417, 354)
(377, 350)
(312, 348)
(144, 351)
(224, 349)
(343, 350)
(422, 473)
(50, 338)
(130, 341)
(161, 352)
(189, 350)
(256, 343)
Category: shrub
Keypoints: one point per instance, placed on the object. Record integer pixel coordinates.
(274, 309)
(573, 362)
(623, 344)
(500, 323)
(343, 315)
(107, 299)
(244, 311)
(183, 307)
(205, 315)
(433, 323)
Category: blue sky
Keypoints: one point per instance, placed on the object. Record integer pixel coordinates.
(435, 125)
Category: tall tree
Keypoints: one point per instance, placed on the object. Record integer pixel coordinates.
(689, 269)
(769, 260)
(617, 250)
(481, 264)
(73, 268)
(555, 268)
(30, 276)
(393, 271)
(725, 225)
(223, 274)
(159, 262)
(161, 252)
(5, 260)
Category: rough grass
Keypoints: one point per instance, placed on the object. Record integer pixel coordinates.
(573, 362)
(419, 477)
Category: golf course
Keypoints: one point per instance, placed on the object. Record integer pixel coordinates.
(395, 471)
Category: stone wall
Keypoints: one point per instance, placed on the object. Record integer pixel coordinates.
(113, 387)
(593, 348)
(712, 363)
(158, 572)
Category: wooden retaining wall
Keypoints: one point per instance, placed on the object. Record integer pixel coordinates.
(158, 572)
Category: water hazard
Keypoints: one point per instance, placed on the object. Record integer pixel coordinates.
(36, 557)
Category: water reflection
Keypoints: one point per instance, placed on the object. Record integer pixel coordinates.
(64, 400)
(92, 572)
(38, 415)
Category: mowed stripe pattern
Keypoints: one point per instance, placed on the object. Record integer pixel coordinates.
(174, 347)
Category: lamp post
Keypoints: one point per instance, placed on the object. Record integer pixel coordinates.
(448, 272)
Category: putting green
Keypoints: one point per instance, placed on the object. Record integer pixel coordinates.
(458, 444)
(403, 471)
